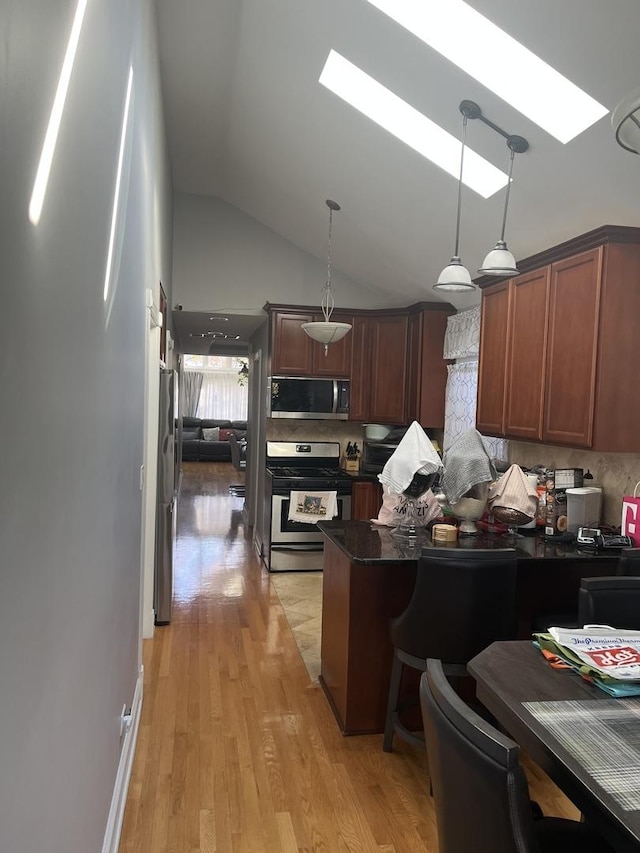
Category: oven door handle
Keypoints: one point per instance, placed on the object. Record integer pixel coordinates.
(302, 546)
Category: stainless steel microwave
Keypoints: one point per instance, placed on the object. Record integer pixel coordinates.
(308, 399)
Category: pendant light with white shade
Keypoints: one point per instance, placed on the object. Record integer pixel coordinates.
(326, 331)
(500, 261)
(455, 277)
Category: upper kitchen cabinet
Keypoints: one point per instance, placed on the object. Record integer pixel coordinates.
(360, 373)
(387, 368)
(392, 357)
(565, 332)
(525, 364)
(492, 369)
(294, 353)
(291, 350)
(379, 367)
(572, 350)
(426, 369)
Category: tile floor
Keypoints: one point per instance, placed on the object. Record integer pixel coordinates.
(300, 594)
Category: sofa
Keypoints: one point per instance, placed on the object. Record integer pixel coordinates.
(206, 440)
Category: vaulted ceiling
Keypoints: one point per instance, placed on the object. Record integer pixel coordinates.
(249, 122)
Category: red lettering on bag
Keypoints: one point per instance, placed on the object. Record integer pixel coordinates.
(614, 657)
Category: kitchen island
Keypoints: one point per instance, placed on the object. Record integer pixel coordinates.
(368, 579)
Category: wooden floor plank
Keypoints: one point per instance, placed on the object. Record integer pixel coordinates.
(238, 751)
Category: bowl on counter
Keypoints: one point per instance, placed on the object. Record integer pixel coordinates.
(376, 432)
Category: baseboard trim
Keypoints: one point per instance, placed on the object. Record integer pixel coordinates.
(148, 625)
(116, 812)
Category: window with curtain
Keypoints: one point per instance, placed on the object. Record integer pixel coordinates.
(462, 340)
(224, 392)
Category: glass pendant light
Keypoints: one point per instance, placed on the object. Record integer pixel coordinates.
(500, 261)
(455, 277)
(325, 331)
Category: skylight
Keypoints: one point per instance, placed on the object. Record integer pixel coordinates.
(499, 62)
(409, 125)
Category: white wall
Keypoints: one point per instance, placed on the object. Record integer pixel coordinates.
(72, 415)
(226, 261)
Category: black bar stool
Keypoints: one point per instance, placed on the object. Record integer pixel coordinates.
(463, 600)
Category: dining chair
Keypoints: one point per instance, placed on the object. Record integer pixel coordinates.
(463, 600)
(629, 562)
(239, 463)
(479, 788)
(611, 601)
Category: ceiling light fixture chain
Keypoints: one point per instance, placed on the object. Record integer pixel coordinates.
(464, 140)
(499, 261)
(328, 302)
(455, 277)
(516, 145)
(326, 331)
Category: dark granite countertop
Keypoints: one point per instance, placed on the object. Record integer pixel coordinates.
(362, 476)
(364, 542)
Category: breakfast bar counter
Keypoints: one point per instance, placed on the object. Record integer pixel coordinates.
(368, 579)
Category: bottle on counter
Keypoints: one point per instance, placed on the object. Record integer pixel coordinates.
(541, 488)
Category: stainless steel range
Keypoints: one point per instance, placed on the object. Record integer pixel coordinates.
(292, 466)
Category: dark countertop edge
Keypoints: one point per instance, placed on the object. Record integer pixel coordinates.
(360, 561)
(364, 561)
(327, 528)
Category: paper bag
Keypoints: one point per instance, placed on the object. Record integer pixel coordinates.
(631, 517)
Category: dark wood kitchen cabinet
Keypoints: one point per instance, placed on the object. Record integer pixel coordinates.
(291, 350)
(388, 368)
(492, 366)
(366, 500)
(379, 367)
(294, 353)
(526, 355)
(566, 334)
(572, 349)
(515, 352)
(426, 368)
(392, 357)
(360, 372)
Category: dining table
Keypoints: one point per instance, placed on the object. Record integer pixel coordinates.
(586, 741)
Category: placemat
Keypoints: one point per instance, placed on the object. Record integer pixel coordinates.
(603, 736)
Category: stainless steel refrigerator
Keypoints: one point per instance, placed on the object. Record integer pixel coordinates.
(165, 505)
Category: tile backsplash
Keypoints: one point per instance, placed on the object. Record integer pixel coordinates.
(289, 429)
(616, 473)
(286, 429)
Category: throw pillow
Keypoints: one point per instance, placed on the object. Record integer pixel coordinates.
(212, 433)
(225, 433)
(191, 434)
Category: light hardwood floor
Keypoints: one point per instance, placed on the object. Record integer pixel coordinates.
(238, 751)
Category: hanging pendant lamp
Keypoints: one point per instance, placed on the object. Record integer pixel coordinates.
(455, 277)
(625, 120)
(325, 331)
(500, 261)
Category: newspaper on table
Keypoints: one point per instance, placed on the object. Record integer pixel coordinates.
(602, 650)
